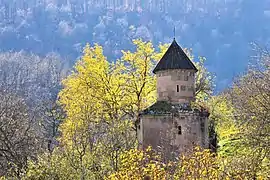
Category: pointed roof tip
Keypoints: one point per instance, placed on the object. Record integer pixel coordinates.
(174, 58)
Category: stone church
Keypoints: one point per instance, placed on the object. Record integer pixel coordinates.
(171, 123)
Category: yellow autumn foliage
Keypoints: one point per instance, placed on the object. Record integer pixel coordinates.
(197, 164)
(101, 91)
(138, 164)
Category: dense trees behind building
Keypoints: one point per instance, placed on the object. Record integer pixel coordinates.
(220, 30)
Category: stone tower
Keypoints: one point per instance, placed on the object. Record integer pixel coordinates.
(171, 124)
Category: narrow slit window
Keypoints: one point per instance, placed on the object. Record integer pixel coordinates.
(179, 130)
(177, 88)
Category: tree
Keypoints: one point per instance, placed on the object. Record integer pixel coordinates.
(140, 81)
(196, 164)
(241, 119)
(250, 99)
(223, 125)
(94, 98)
(137, 164)
(19, 141)
(28, 89)
(204, 81)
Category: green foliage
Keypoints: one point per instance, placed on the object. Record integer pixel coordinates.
(102, 100)
(221, 114)
(239, 157)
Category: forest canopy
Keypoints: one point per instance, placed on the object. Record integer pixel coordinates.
(219, 29)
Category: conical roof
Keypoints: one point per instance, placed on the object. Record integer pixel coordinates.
(174, 58)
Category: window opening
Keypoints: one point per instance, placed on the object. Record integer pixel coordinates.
(183, 88)
(177, 88)
(179, 130)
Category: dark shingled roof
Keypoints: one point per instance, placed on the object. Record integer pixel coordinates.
(174, 58)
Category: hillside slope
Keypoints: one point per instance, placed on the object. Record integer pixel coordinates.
(220, 30)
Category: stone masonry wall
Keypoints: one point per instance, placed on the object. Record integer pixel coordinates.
(176, 85)
(182, 131)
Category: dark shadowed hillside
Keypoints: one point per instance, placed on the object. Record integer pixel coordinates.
(220, 30)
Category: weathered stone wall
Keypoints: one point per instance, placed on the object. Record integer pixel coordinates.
(155, 129)
(163, 130)
(176, 85)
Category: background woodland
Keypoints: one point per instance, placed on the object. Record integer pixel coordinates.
(220, 30)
